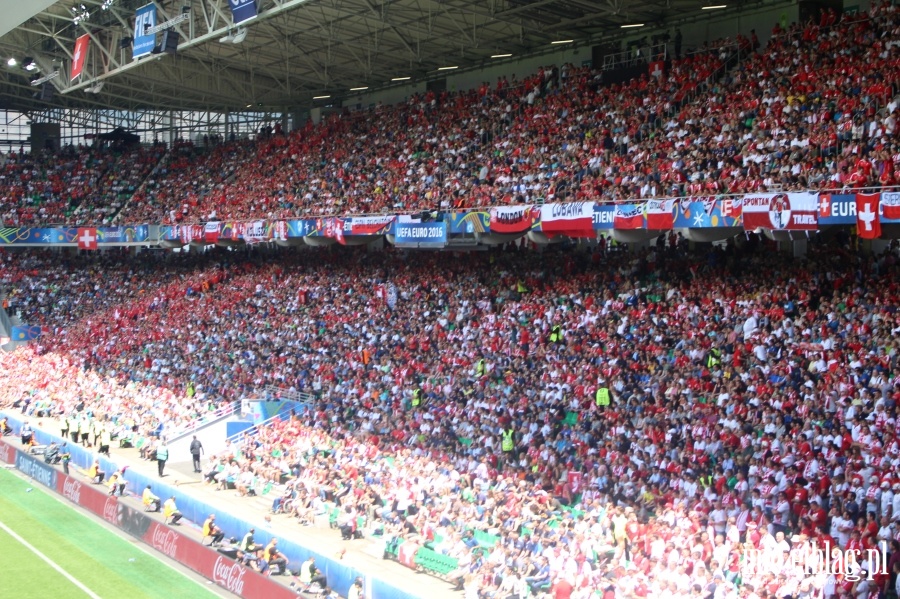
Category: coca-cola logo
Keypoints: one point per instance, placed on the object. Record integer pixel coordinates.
(72, 490)
(111, 510)
(229, 575)
(165, 540)
(6, 453)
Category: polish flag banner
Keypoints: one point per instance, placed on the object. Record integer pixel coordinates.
(211, 232)
(575, 219)
(868, 225)
(660, 214)
(890, 206)
(628, 216)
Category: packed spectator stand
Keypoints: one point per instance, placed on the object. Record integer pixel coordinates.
(73, 186)
(814, 109)
(791, 425)
(752, 398)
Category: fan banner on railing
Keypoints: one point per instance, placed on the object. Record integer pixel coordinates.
(87, 238)
(190, 233)
(242, 10)
(660, 214)
(837, 209)
(279, 230)
(254, 232)
(334, 229)
(368, 225)
(574, 220)
(81, 49)
(144, 20)
(629, 216)
(890, 207)
(211, 232)
(781, 211)
(511, 219)
(868, 224)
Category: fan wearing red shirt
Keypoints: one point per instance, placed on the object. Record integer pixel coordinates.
(563, 589)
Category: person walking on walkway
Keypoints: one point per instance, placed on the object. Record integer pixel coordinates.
(162, 454)
(196, 450)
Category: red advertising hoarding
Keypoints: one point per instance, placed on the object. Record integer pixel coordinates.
(209, 563)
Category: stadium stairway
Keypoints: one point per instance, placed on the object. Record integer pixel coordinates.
(164, 160)
(7, 322)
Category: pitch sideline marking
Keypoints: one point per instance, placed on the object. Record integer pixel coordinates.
(209, 586)
(49, 561)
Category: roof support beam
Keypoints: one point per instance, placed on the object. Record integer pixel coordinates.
(212, 35)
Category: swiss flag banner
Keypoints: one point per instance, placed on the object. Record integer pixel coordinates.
(628, 216)
(660, 215)
(868, 225)
(87, 239)
(81, 50)
(657, 68)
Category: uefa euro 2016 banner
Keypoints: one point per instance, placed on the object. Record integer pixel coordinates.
(432, 234)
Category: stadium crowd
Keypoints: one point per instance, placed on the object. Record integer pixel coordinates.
(83, 185)
(581, 423)
(752, 399)
(813, 110)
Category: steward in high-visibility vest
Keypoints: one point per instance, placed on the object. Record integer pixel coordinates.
(150, 501)
(602, 397)
(713, 359)
(521, 288)
(556, 334)
(480, 367)
(417, 398)
(507, 444)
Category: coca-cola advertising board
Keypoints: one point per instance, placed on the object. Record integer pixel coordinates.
(7, 453)
(209, 563)
(88, 497)
(222, 570)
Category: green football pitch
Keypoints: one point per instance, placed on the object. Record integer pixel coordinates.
(53, 550)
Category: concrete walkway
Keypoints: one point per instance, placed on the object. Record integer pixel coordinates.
(362, 554)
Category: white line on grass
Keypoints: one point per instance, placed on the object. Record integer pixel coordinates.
(123, 536)
(49, 562)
